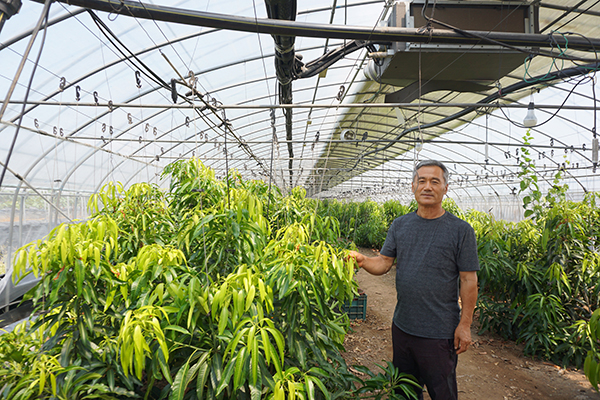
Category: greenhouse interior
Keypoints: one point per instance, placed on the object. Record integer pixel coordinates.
(181, 183)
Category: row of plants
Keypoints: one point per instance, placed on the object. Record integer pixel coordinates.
(366, 223)
(217, 289)
(540, 277)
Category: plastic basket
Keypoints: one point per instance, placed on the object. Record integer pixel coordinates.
(357, 309)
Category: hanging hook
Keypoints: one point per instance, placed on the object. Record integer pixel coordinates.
(193, 80)
(96, 97)
(341, 92)
(62, 84)
(77, 93)
(138, 81)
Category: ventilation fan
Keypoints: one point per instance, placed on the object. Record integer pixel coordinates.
(347, 135)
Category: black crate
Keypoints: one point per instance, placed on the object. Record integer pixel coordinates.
(357, 309)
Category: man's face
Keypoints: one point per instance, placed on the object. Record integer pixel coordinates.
(429, 186)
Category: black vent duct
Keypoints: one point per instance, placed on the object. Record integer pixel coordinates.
(8, 8)
(284, 66)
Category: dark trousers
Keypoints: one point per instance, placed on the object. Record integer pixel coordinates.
(431, 361)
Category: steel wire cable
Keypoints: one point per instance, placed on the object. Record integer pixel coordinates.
(43, 17)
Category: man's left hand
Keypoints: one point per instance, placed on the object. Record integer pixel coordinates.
(462, 338)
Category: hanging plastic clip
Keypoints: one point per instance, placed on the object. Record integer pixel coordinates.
(187, 122)
(193, 80)
(138, 80)
(173, 91)
(96, 98)
(77, 93)
(62, 84)
(341, 92)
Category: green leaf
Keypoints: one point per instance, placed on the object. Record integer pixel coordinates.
(250, 297)
(180, 383)
(278, 336)
(266, 344)
(321, 386)
(138, 341)
(254, 366)
(203, 373)
(255, 392)
(309, 387)
(79, 276)
(236, 229)
(240, 362)
(109, 299)
(524, 184)
(177, 328)
(227, 374)
(223, 319)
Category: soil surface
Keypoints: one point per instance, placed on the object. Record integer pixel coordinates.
(492, 369)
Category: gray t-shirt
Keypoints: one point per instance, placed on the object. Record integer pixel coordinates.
(430, 253)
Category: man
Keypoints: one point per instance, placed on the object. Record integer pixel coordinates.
(434, 251)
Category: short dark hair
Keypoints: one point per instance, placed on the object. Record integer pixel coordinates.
(429, 163)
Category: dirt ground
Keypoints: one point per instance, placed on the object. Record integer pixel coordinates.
(492, 369)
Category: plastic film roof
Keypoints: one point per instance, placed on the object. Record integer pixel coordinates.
(97, 105)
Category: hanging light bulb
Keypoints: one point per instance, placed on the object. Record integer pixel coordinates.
(530, 119)
(419, 146)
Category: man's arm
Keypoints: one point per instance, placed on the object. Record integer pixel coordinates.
(374, 265)
(468, 296)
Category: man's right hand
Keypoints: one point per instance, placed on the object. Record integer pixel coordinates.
(360, 259)
(374, 265)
